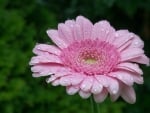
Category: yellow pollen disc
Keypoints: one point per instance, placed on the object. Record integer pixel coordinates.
(90, 60)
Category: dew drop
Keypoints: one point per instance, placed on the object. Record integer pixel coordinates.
(95, 90)
(120, 77)
(131, 36)
(71, 25)
(102, 30)
(83, 86)
(48, 80)
(39, 48)
(114, 91)
(136, 43)
(107, 32)
(117, 35)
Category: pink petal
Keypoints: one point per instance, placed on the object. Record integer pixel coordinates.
(96, 87)
(71, 90)
(77, 78)
(124, 46)
(86, 26)
(128, 94)
(122, 37)
(131, 53)
(84, 95)
(41, 49)
(70, 24)
(47, 69)
(138, 79)
(40, 70)
(114, 97)
(141, 59)
(112, 86)
(53, 34)
(55, 82)
(87, 83)
(102, 80)
(51, 78)
(136, 42)
(103, 31)
(123, 76)
(130, 67)
(45, 59)
(77, 31)
(65, 33)
(65, 80)
(37, 74)
(101, 96)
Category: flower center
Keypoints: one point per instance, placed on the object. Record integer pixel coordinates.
(90, 60)
(90, 57)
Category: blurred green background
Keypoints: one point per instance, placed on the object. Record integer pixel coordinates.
(23, 23)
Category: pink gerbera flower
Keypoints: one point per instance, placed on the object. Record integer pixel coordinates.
(91, 59)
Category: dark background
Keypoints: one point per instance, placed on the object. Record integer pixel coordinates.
(23, 23)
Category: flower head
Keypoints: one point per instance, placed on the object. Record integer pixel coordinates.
(91, 59)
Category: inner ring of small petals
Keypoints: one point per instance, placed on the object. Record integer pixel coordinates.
(90, 57)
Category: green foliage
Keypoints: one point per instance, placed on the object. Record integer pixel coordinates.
(24, 23)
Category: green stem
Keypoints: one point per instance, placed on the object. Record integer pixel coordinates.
(94, 106)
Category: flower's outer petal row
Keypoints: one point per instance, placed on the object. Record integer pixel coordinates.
(85, 90)
(103, 31)
(41, 49)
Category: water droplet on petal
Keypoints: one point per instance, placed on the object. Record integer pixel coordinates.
(107, 32)
(83, 86)
(39, 48)
(132, 36)
(114, 91)
(95, 90)
(71, 25)
(120, 77)
(117, 35)
(102, 30)
(136, 43)
(49, 73)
